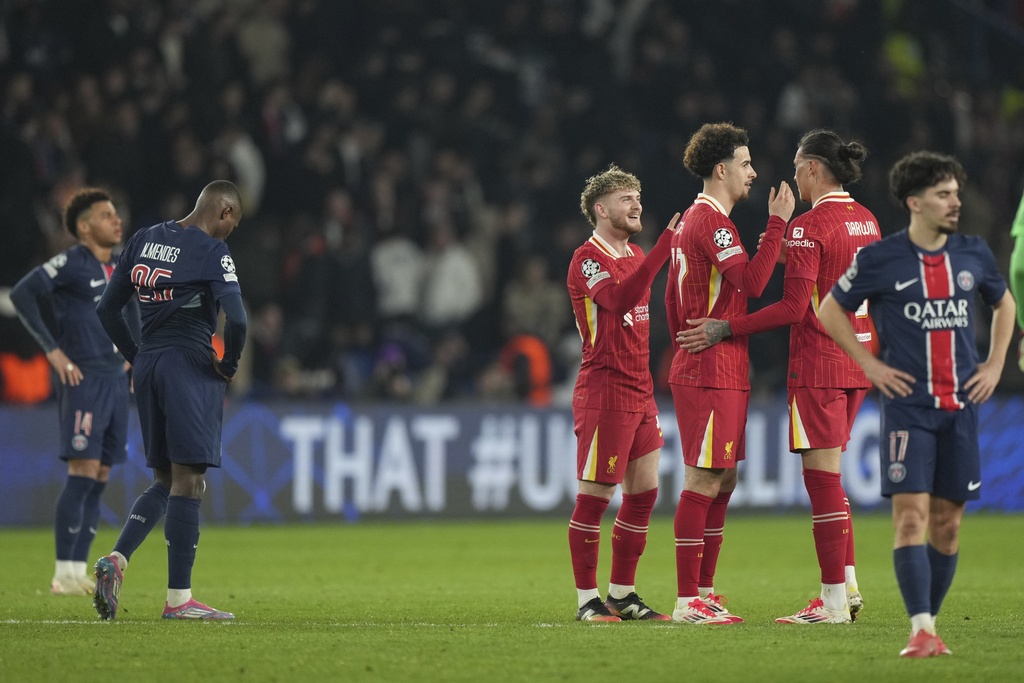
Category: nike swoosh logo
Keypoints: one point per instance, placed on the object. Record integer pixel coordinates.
(79, 528)
(97, 283)
(596, 540)
(900, 286)
(973, 485)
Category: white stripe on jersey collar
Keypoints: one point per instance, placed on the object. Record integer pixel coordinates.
(604, 246)
(708, 199)
(833, 197)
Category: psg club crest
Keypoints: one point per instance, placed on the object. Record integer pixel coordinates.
(965, 279)
(723, 238)
(79, 442)
(590, 268)
(227, 264)
(897, 472)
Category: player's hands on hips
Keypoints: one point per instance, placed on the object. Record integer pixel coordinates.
(705, 333)
(781, 203)
(217, 368)
(68, 372)
(890, 381)
(983, 382)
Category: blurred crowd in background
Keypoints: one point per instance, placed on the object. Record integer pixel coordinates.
(411, 170)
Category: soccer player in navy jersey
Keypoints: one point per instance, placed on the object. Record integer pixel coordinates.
(826, 388)
(616, 420)
(921, 285)
(710, 276)
(93, 391)
(182, 274)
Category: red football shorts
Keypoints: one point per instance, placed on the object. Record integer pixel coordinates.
(822, 417)
(712, 423)
(603, 437)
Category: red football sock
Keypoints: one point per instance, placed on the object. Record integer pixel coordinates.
(585, 538)
(831, 523)
(850, 561)
(629, 535)
(713, 528)
(691, 515)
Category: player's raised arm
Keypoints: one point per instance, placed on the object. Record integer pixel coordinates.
(622, 296)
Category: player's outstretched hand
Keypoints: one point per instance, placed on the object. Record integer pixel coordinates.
(705, 333)
(781, 203)
(673, 224)
(983, 382)
(217, 368)
(889, 380)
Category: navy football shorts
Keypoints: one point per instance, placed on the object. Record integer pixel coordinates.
(181, 407)
(926, 450)
(94, 419)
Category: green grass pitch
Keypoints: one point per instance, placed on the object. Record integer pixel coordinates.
(494, 601)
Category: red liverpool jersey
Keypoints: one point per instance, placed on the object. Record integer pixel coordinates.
(704, 246)
(615, 373)
(820, 248)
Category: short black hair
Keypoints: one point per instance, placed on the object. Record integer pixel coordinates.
(81, 202)
(711, 145)
(918, 171)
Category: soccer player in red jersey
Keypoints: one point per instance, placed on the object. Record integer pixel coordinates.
(826, 388)
(710, 276)
(616, 420)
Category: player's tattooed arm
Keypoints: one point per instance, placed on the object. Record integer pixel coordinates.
(706, 333)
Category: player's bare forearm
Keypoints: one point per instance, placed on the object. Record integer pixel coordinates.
(890, 381)
(706, 333)
(982, 384)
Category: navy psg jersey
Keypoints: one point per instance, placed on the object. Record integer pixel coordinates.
(923, 306)
(75, 280)
(179, 274)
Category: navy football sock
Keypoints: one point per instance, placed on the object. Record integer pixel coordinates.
(145, 513)
(943, 568)
(67, 523)
(181, 529)
(914, 576)
(90, 522)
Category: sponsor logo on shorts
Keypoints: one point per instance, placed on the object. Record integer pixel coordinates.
(897, 472)
(973, 485)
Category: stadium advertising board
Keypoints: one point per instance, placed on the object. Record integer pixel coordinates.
(290, 462)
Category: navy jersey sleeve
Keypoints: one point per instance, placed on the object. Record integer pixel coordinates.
(25, 297)
(110, 309)
(992, 285)
(860, 281)
(219, 271)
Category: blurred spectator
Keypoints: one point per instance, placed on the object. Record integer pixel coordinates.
(458, 134)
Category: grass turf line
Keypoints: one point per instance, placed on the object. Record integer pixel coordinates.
(432, 601)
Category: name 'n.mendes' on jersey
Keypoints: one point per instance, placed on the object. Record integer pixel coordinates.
(179, 272)
(615, 371)
(820, 247)
(923, 308)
